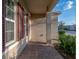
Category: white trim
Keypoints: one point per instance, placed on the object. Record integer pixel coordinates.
(7, 19)
(15, 24)
(9, 43)
(25, 25)
(9, 31)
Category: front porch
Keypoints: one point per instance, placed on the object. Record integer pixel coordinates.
(36, 50)
(35, 30)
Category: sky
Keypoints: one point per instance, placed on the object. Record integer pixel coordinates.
(68, 11)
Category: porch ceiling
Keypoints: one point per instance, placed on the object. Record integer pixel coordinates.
(38, 6)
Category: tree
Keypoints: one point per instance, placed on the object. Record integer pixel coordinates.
(61, 25)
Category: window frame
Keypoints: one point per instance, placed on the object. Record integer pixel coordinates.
(12, 21)
(11, 41)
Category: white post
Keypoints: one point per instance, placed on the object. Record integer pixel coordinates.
(25, 26)
(48, 28)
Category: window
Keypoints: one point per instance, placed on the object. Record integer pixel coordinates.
(10, 9)
(9, 21)
(9, 31)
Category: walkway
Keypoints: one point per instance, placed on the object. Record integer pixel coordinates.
(39, 51)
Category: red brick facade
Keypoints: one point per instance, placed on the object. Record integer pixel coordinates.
(20, 21)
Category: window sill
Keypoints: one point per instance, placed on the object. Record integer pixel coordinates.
(9, 43)
(8, 19)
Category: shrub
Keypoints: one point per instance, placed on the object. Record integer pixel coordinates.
(68, 43)
(61, 32)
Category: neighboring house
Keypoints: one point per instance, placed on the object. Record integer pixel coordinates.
(27, 20)
(71, 27)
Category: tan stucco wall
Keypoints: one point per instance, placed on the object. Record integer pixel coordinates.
(38, 29)
(38, 34)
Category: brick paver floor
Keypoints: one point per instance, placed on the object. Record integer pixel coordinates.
(39, 51)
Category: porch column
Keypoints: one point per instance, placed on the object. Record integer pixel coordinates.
(52, 26)
(29, 22)
(48, 28)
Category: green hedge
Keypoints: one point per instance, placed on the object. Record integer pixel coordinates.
(68, 43)
(61, 32)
